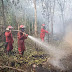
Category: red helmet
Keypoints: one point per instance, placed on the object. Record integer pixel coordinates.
(22, 26)
(10, 27)
(43, 24)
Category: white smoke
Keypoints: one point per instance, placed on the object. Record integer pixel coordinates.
(55, 53)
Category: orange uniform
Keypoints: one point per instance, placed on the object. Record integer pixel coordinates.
(21, 45)
(42, 34)
(9, 40)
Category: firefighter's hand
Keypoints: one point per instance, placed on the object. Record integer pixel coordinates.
(27, 35)
(24, 33)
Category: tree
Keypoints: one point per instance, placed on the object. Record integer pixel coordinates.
(35, 17)
(29, 27)
(3, 13)
(32, 28)
(62, 6)
(52, 15)
(48, 7)
(46, 12)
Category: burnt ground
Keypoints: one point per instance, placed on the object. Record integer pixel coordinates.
(33, 55)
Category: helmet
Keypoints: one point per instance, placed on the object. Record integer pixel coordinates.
(10, 27)
(7, 29)
(43, 24)
(22, 26)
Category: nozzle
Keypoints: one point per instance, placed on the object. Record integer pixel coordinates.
(27, 35)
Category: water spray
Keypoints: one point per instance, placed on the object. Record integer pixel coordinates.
(56, 54)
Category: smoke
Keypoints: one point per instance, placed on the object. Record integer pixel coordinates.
(68, 36)
(23, 9)
(60, 56)
(55, 53)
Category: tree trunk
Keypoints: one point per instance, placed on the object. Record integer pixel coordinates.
(35, 17)
(63, 23)
(4, 25)
(29, 26)
(32, 27)
(62, 12)
(18, 26)
(17, 21)
(48, 19)
(3, 14)
(25, 19)
(52, 15)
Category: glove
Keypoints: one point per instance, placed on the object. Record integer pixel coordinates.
(27, 35)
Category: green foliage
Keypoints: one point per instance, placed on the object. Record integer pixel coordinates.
(29, 56)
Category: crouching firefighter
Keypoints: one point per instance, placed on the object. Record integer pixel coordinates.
(9, 40)
(42, 33)
(21, 37)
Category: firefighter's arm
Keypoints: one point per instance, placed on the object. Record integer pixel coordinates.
(20, 37)
(8, 34)
(25, 35)
(45, 31)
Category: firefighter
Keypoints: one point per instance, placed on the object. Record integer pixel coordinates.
(21, 37)
(42, 33)
(9, 40)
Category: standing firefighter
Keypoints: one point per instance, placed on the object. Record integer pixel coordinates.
(43, 31)
(21, 37)
(9, 40)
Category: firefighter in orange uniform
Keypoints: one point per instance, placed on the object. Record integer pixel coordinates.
(42, 33)
(21, 38)
(9, 40)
